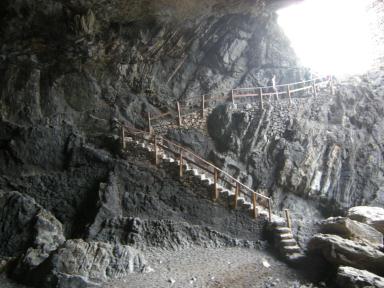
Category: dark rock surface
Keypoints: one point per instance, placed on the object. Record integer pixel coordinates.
(25, 224)
(326, 148)
(70, 70)
(373, 216)
(352, 230)
(349, 277)
(340, 251)
(83, 263)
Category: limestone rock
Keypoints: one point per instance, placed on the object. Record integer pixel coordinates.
(81, 261)
(351, 229)
(349, 277)
(340, 251)
(373, 216)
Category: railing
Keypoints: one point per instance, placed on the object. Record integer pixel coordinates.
(220, 177)
(200, 104)
(311, 86)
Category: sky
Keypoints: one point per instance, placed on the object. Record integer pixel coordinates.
(330, 36)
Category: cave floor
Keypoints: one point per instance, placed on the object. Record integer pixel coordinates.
(213, 267)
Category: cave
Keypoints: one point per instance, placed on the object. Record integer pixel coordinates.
(176, 143)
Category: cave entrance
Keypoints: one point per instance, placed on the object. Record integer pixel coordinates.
(330, 36)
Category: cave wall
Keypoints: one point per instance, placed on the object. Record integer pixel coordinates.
(68, 69)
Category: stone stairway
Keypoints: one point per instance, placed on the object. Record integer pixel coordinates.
(285, 242)
(225, 196)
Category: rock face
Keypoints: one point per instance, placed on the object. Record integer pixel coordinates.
(165, 234)
(92, 262)
(349, 277)
(25, 224)
(319, 148)
(352, 230)
(345, 252)
(373, 216)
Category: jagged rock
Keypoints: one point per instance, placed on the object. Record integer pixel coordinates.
(340, 251)
(373, 216)
(26, 225)
(83, 262)
(48, 237)
(348, 277)
(352, 230)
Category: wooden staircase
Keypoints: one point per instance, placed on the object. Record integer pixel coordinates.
(220, 192)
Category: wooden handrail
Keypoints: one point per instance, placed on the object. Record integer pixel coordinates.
(186, 156)
(221, 172)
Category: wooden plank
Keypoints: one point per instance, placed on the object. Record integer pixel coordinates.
(314, 88)
(149, 122)
(156, 151)
(160, 116)
(270, 209)
(123, 137)
(181, 164)
(179, 113)
(237, 191)
(215, 191)
(255, 212)
(289, 94)
(288, 218)
(300, 89)
(202, 106)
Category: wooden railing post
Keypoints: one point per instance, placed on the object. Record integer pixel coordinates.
(149, 122)
(314, 89)
(123, 137)
(261, 98)
(215, 180)
(255, 212)
(288, 218)
(270, 209)
(179, 113)
(156, 150)
(232, 97)
(181, 164)
(237, 192)
(289, 94)
(331, 85)
(202, 106)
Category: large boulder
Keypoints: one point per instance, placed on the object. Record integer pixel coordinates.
(340, 251)
(352, 230)
(373, 216)
(349, 277)
(88, 263)
(25, 225)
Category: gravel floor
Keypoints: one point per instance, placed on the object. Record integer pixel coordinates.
(216, 268)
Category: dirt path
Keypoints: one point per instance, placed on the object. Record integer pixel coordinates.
(215, 268)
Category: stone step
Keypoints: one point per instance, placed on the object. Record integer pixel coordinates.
(291, 249)
(285, 236)
(295, 257)
(288, 242)
(247, 205)
(282, 230)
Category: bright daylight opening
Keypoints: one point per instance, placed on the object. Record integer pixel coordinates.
(330, 36)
